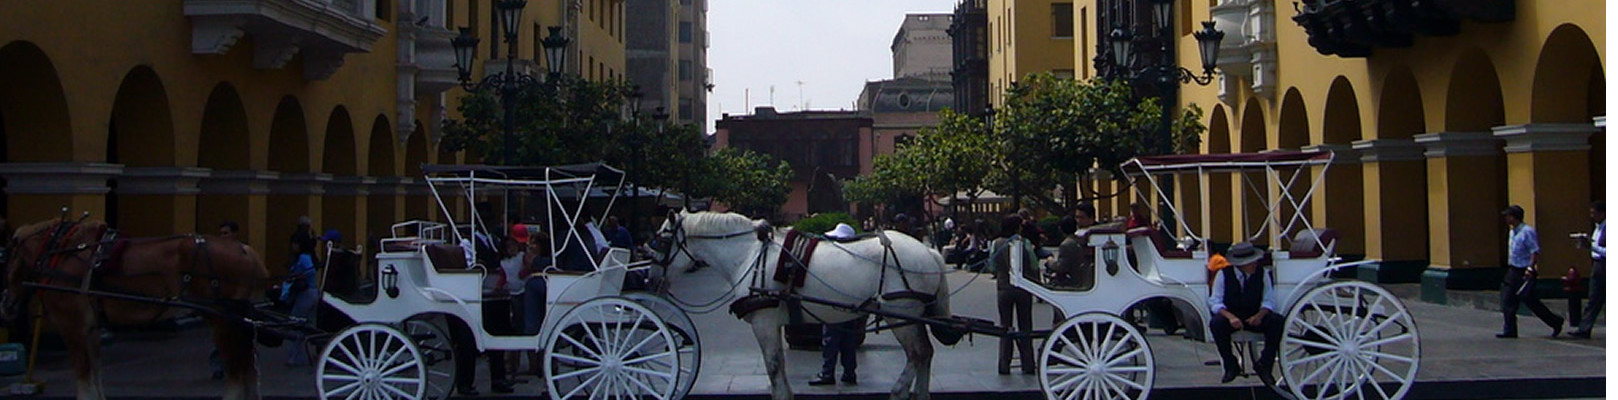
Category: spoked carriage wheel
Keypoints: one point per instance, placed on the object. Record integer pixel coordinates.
(685, 332)
(1348, 339)
(612, 347)
(371, 361)
(437, 353)
(1096, 356)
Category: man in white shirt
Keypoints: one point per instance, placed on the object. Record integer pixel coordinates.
(1243, 298)
(1598, 271)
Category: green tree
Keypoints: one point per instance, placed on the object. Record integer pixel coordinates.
(940, 162)
(752, 183)
(570, 121)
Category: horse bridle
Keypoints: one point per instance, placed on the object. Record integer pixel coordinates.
(677, 241)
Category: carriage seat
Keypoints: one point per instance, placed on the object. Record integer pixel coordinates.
(1304, 246)
(448, 258)
(1165, 247)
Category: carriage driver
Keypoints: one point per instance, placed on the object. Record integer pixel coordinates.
(1243, 298)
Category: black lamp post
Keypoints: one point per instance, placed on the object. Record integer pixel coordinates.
(466, 51)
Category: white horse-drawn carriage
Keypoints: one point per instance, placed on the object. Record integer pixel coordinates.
(598, 341)
(1343, 339)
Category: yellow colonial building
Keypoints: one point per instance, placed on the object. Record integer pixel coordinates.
(1025, 37)
(172, 116)
(1441, 113)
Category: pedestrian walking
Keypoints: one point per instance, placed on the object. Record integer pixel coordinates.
(1015, 304)
(1598, 271)
(1522, 250)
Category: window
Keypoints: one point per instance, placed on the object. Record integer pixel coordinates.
(1062, 20)
(685, 2)
(686, 109)
(685, 70)
(1084, 41)
(472, 22)
(1063, 73)
(685, 32)
(384, 10)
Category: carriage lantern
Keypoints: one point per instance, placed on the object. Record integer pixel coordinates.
(390, 281)
(1109, 255)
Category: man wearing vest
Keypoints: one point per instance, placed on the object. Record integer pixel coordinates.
(1243, 298)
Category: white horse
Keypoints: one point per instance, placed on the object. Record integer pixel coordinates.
(911, 282)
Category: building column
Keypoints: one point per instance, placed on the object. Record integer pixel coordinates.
(342, 209)
(239, 196)
(1338, 203)
(1463, 213)
(1395, 209)
(38, 191)
(159, 201)
(1548, 174)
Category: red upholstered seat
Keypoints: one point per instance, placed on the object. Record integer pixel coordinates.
(1165, 246)
(1305, 246)
(447, 258)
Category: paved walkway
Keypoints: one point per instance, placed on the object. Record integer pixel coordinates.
(1461, 358)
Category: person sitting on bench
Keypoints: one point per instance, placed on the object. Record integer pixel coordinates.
(1243, 298)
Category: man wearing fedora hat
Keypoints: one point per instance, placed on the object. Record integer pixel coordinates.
(1243, 298)
(1522, 257)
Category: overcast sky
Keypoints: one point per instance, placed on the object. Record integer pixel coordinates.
(832, 46)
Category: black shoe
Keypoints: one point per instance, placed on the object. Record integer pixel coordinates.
(1505, 335)
(1265, 376)
(822, 380)
(850, 379)
(1556, 329)
(1230, 375)
(501, 387)
(1579, 334)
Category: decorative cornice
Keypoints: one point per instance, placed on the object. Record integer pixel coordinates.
(273, 51)
(1341, 153)
(308, 184)
(1459, 144)
(386, 186)
(349, 185)
(161, 180)
(1545, 137)
(1388, 150)
(58, 178)
(238, 182)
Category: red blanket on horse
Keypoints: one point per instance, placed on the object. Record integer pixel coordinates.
(793, 264)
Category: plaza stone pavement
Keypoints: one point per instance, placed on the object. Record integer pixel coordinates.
(1461, 359)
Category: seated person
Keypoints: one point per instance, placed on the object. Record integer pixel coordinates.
(574, 256)
(1074, 265)
(1243, 298)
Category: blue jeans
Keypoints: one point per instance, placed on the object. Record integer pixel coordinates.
(303, 306)
(838, 340)
(533, 305)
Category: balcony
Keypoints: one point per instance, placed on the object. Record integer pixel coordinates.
(1353, 28)
(323, 31)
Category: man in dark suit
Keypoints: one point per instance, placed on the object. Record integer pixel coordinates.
(1243, 298)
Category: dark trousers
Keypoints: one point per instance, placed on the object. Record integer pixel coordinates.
(496, 317)
(839, 340)
(1014, 302)
(1271, 328)
(1598, 295)
(1513, 294)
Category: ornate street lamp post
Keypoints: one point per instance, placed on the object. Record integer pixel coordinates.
(508, 82)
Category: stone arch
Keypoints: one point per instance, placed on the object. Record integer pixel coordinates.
(1250, 212)
(226, 149)
(1399, 114)
(38, 126)
(1292, 131)
(289, 154)
(1474, 102)
(1218, 225)
(1341, 122)
(140, 134)
(380, 208)
(1562, 77)
(416, 150)
(1340, 204)
(289, 138)
(338, 207)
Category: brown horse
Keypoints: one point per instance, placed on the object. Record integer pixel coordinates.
(216, 273)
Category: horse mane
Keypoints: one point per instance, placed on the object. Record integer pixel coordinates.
(715, 223)
(92, 226)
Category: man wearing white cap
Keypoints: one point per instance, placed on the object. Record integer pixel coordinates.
(1243, 298)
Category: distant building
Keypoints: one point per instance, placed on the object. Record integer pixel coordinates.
(691, 70)
(969, 36)
(921, 48)
(823, 147)
(668, 56)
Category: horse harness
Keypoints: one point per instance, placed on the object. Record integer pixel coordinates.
(760, 298)
(106, 257)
